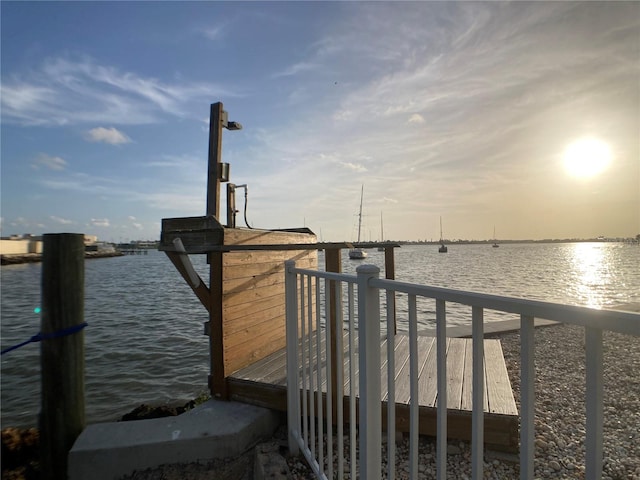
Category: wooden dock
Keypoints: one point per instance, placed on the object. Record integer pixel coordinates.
(264, 383)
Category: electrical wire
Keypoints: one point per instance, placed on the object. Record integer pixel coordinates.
(246, 201)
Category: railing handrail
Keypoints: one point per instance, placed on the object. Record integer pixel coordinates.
(340, 277)
(613, 320)
(370, 287)
(606, 319)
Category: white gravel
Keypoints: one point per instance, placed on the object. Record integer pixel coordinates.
(559, 413)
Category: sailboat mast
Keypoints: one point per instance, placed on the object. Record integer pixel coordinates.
(360, 214)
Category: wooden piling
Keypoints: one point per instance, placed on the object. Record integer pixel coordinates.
(390, 273)
(333, 263)
(62, 417)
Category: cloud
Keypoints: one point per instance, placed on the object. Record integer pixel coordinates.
(83, 183)
(100, 222)
(213, 33)
(52, 163)
(64, 91)
(134, 224)
(62, 221)
(355, 167)
(20, 222)
(107, 135)
(416, 118)
(295, 69)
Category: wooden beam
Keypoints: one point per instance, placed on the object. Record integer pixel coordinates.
(201, 291)
(390, 274)
(333, 263)
(217, 381)
(215, 158)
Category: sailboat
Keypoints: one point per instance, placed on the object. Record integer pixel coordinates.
(443, 247)
(381, 249)
(358, 253)
(495, 242)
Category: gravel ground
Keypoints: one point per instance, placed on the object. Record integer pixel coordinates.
(559, 419)
(560, 406)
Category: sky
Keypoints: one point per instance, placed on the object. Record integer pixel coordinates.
(460, 111)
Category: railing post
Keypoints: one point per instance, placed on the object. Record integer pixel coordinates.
(293, 407)
(477, 416)
(62, 359)
(527, 399)
(370, 420)
(594, 410)
(441, 413)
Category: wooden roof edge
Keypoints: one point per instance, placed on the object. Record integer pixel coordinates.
(290, 246)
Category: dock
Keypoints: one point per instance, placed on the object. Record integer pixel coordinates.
(264, 384)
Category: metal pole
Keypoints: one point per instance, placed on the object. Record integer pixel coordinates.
(231, 205)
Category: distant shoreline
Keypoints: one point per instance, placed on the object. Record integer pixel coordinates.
(19, 258)
(490, 242)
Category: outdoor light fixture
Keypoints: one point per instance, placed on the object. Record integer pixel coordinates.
(227, 124)
(234, 126)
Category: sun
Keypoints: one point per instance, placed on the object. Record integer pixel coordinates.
(586, 157)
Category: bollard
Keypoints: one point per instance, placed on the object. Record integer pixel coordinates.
(62, 417)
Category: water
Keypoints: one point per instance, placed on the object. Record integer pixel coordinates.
(145, 341)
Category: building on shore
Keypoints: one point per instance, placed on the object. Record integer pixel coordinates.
(21, 244)
(28, 243)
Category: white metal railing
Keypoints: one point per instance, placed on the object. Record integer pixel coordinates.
(306, 364)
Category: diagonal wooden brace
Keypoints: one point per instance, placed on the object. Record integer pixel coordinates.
(201, 290)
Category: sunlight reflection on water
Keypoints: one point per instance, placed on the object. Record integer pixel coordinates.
(592, 271)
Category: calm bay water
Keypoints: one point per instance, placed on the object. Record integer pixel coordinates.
(144, 343)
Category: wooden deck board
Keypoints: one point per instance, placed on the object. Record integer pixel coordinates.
(428, 385)
(455, 373)
(498, 385)
(268, 377)
(384, 379)
(356, 367)
(467, 384)
(402, 370)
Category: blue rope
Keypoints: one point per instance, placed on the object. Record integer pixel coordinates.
(48, 336)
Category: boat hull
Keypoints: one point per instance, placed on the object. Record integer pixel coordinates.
(357, 254)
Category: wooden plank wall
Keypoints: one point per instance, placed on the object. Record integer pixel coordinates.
(253, 298)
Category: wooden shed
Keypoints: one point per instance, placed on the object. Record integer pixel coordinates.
(245, 293)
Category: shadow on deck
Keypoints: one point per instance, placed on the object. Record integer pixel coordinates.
(264, 383)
